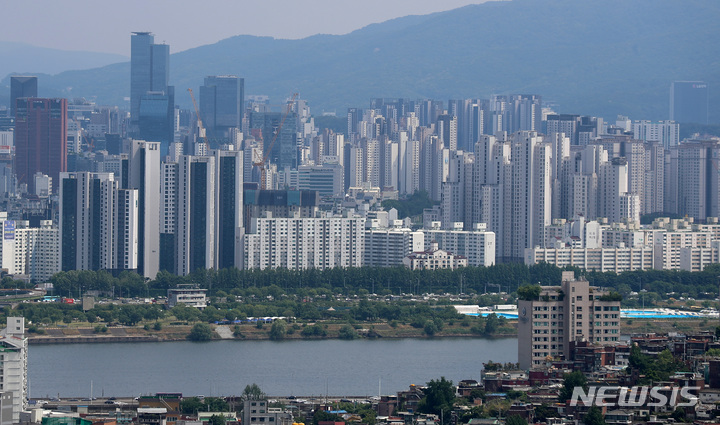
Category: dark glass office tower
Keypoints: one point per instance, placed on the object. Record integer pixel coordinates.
(284, 151)
(40, 139)
(157, 117)
(149, 76)
(222, 100)
(22, 86)
(689, 102)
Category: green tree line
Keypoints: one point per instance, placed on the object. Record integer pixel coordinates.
(653, 284)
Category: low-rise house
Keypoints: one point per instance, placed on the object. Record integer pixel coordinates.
(190, 295)
(434, 258)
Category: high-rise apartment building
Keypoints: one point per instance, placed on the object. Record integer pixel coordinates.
(40, 139)
(222, 100)
(447, 131)
(693, 181)
(476, 245)
(22, 86)
(386, 247)
(300, 243)
(689, 102)
(30, 251)
(144, 176)
(563, 123)
(195, 230)
(529, 192)
(527, 112)
(229, 208)
(665, 132)
(456, 205)
(98, 223)
(13, 365)
(549, 326)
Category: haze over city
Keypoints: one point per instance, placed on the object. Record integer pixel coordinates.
(325, 188)
(103, 26)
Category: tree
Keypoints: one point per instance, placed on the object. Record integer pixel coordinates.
(637, 359)
(543, 412)
(216, 420)
(252, 392)
(529, 292)
(491, 324)
(347, 332)
(278, 330)
(185, 313)
(215, 404)
(679, 415)
(322, 416)
(430, 328)
(516, 420)
(571, 381)
(191, 405)
(594, 416)
(611, 296)
(713, 352)
(200, 332)
(439, 397)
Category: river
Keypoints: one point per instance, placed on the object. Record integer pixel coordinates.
(295, 367)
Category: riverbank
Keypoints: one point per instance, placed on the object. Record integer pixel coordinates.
(376, 330)
(80, 334)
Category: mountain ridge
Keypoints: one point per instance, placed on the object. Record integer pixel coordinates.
(597, 58)
(28, 59)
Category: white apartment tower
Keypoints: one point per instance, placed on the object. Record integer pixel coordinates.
(529, 192)
(665, 132)
(559, 174)
(13, 364)
(493, 172)
(300, 243)
(144, 170)
(386, 247)
(28, 250)
(693, 180)
(457, 190)
(477, 244)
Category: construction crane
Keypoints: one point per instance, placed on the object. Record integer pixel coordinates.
(261, 164)
(201, 129)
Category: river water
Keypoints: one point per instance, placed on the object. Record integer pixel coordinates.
(295, 367)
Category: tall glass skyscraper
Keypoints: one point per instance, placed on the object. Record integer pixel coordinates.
(689, 102)
(149, 76)
(40, 139)
(22, 86)
(222, 100)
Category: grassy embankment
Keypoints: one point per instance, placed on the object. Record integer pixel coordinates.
(172, 330)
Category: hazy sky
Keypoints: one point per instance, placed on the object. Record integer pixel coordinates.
(105, 26)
